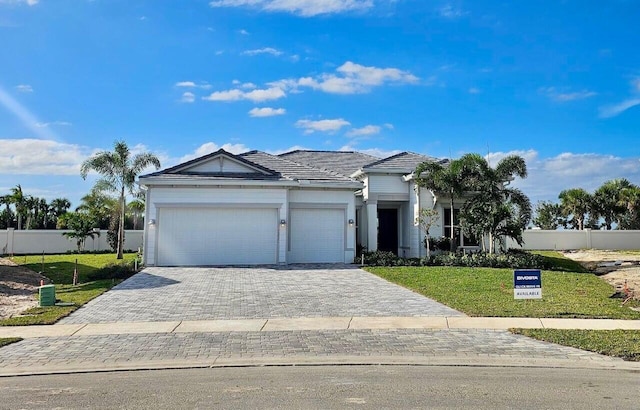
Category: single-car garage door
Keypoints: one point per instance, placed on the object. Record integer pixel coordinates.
(316, 235)
(217, 236)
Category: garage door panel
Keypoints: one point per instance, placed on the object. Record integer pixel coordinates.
(317, 236)
(216, 236)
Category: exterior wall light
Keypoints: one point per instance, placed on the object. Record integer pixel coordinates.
(152, 222)
(283, 222)
(351, 222)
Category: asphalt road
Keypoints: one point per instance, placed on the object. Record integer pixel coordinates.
(329, 387)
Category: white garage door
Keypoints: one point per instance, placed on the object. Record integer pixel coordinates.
(216, 236)
(316, 235)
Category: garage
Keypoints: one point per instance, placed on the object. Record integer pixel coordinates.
(196, 236)
(317, 235)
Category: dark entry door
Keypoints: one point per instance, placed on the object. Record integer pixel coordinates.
(388, 230)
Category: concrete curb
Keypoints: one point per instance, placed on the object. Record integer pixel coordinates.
(291, 361)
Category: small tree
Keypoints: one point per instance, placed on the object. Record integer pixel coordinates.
(549, 216)
(427, 217)
(575, 203)
(81, 226)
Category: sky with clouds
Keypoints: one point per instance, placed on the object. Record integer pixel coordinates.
(557, 82)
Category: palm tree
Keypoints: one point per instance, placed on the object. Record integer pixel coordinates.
(575, 202)
(58, 207)
(451, 179)
(496, 209)
(630, 200)
(136, 207)
(81, 225)
(606, 201)
(7, 201)
(18, 199)
(119, 171)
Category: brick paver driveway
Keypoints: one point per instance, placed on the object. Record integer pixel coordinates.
(165, 294)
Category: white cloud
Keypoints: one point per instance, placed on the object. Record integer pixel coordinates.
(548, 176)
(305, 8)
(27, 2)
(450, 11)
(24, 88)
(566, 96)
(185, 84)
(188, 97)
(322, 125)
(613, 110)
(209, 147)
(474, 90)
(267, 112)
(55, 123)
(266, 50)
(388, 126)
(364, 131)
(243, 31)
(351, 78)
(248, 86)
(258, 95)
(41, 157)
(609, 111)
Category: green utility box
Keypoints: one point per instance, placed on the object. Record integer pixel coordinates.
(47, 295)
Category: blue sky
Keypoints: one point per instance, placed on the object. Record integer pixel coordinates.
(557, 82)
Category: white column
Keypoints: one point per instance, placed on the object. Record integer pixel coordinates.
(372, 226)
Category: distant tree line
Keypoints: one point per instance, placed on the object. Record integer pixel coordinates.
(103, 208)
(614, 205)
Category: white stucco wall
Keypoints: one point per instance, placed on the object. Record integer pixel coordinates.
(535, 239)
(52, 241)
(387, 184)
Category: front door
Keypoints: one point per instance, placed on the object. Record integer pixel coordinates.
(388, 230)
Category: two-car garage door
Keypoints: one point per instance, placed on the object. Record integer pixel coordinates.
(217, 236)
(247, 236)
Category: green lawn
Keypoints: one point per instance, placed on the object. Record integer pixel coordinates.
(489, 292)
(618, 343)
(8, 340)
(59, 268)
(561, 262)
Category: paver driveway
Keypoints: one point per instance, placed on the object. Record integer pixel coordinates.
(164, 294)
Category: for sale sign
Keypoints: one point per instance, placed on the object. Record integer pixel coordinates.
(527, 284)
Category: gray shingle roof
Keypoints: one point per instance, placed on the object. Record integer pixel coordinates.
(342, 162)
(407, 161)
(292, 170)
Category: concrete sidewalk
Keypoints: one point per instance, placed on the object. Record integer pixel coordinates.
(325, 323)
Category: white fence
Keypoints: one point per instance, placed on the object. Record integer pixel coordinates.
(574, 239)
(13, 242)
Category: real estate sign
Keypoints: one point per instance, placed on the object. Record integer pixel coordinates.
(527, 284)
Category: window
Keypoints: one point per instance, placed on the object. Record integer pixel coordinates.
(460, 240)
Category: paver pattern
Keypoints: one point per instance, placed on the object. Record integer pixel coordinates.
(165, 294)
(116, 349)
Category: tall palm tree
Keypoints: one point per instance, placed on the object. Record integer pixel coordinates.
(575, 202)
(58, 207)
(496, 209)
(7, 201)
(18, 199)
(136, 207)
(630, 200)
(606, 201)
(452, 179)
(119, 170)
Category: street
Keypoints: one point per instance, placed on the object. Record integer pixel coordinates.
(365, 387)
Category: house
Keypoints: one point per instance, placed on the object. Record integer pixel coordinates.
(297, 207)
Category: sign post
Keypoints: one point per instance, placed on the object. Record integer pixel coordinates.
(527, 284)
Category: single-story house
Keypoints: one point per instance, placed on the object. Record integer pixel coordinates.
(297, 207)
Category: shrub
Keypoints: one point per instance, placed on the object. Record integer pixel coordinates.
(122, 270)
(513, 260)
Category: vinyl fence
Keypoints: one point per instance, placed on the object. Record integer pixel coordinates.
(573, 239)
(14, 242)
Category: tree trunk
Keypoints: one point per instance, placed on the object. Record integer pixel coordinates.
(121, 225)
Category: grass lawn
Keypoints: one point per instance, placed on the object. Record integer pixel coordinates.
(561, 262)
(618, 343)
(8, 340)
(59, 268)
(489, 292)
